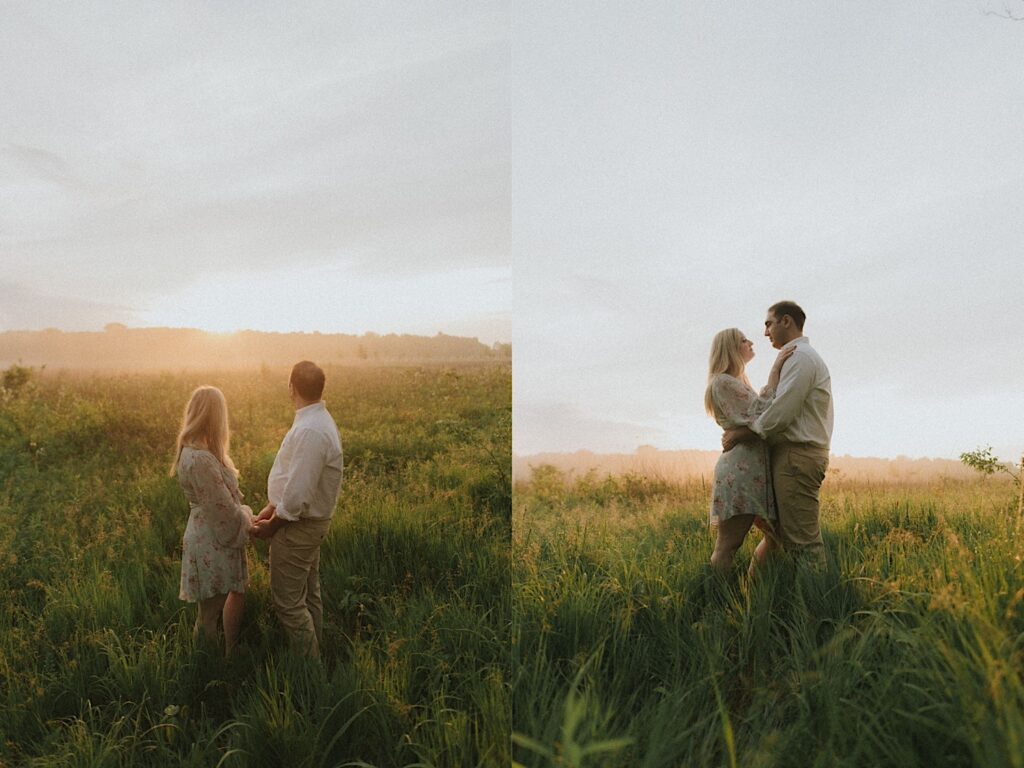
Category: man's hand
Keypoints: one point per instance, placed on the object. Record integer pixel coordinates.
(267, 527)
(265, 513)
(733, 437)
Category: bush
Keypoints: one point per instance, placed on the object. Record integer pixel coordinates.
(15, 378)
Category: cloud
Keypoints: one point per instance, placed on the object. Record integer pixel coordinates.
(564, 427)
(34, 164)
(26, 308)
(151, 148)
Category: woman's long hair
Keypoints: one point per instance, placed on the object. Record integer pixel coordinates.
(205, 425)
(725, 357)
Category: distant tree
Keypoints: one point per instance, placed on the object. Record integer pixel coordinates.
(985, 462)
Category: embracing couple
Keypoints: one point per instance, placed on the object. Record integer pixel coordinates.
(302, 491)
(776, 442)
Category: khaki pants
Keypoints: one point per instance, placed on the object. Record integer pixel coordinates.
(295, 582)
(798, 470)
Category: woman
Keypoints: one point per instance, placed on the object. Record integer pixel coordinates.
(742, 492)
(213, 565)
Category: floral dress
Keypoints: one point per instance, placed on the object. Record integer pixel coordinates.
(743, 482)
(213, 547)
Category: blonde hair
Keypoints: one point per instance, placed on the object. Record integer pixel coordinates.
(205, 424)
(725, 357)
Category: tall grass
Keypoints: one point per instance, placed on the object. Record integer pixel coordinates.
(97, 662)
(628, 651)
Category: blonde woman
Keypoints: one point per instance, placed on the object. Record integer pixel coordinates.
(214, 571)
(742, 493)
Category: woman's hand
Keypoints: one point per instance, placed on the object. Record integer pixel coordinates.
(265, 529)
(776, 373)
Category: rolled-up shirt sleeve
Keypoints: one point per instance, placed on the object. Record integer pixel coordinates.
(300, 485)
(794, 385)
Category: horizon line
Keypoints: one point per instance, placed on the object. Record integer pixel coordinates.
(117, 326)
(652, 449)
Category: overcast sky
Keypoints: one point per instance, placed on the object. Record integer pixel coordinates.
(678, 169)
(675, 168)
(331, 166)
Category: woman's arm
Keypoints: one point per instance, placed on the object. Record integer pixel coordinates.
(776, 372)
(736, 402)
(229, 520)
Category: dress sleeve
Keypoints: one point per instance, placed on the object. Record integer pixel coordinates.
(229, 520)
(737, 404)
(761, 401)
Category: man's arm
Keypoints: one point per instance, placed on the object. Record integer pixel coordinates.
(303, 476)
(733, 437)
(794, 386)
(307, 462)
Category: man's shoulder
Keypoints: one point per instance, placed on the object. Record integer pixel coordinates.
(810, 360)
(326, 423)
(319, 430)
(307, 430)
(815, 354)
(805, 348)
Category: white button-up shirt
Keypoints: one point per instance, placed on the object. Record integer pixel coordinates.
(306, 477)
(802, 409)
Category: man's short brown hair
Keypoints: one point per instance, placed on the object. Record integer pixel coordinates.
(308, 379)
(790, 308)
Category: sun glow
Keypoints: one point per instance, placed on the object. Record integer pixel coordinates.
(339, 300)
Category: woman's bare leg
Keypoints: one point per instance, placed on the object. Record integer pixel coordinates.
(769, 546)
(731, 533)
(209, 611)
(234, 606)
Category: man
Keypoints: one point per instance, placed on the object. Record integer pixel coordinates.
(301, 491)
(798, 428)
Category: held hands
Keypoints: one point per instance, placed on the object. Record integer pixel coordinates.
(264, 529)
(266, 523)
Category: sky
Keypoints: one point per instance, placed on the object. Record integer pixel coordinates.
(678, 170)
(606, 184)
(322, 166)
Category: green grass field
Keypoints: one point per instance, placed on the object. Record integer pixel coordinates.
(97, 662)
(907, 651)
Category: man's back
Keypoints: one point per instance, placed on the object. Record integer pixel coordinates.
(306, 477)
